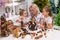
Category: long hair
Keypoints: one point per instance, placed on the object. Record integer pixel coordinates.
(48, 9)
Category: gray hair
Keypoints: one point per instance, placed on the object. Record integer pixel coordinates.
(36, 7)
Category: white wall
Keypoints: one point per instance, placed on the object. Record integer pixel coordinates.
(25, 5)
(2, 10)
(56, 2)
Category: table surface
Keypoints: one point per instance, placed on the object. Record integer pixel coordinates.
(51, 35)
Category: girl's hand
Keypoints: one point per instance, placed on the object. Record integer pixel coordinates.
(42, 21)
(18, 21)
(41, 26)
(49, 26)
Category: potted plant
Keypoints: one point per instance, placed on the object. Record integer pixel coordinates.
(42, 3)
(57, 19)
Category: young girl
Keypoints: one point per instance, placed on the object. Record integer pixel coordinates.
(23, 17)
(47, 17)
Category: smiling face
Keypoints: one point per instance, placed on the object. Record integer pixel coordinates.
(33, 9)
(45, 13)
(24, 13)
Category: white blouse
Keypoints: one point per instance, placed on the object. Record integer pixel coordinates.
(48, 20)
(25, 20)
(39, 17)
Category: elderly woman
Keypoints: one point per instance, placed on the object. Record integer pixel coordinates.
(34, 10)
